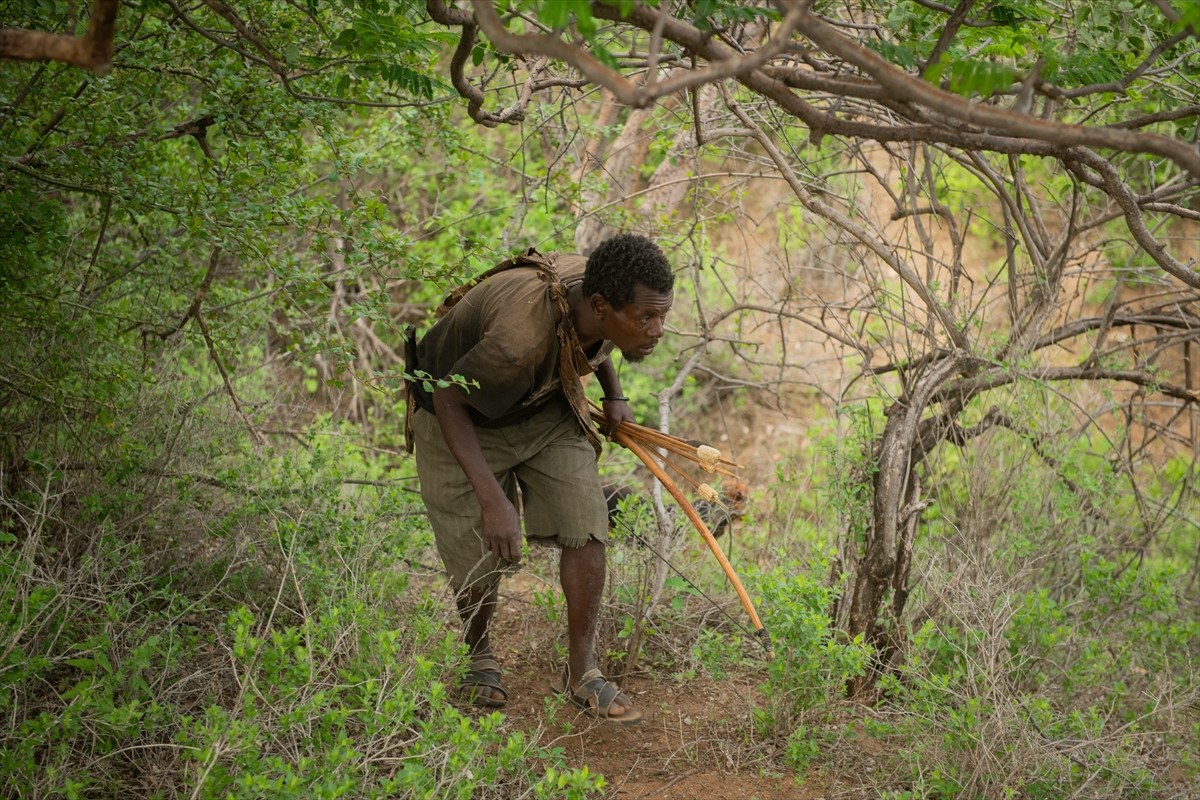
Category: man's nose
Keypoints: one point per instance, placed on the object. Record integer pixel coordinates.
(657, 326)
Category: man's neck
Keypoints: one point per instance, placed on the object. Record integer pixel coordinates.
(587, 327)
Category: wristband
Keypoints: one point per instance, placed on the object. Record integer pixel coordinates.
(614, 399)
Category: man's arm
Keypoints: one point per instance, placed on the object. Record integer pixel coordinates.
(501, 529)
(616, 407)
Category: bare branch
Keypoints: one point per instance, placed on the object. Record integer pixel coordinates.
(1122, 84)
(1125, 198)
(243, 29)
(626, 92)
(91, 51)
(957, 17)
(913, 89)
(259, 439)
(970, 387)
(198, 299)
(902, 269)
(970, 23)
(1168, 115)
(444, 15)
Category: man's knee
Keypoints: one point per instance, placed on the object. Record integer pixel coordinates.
(587, 543)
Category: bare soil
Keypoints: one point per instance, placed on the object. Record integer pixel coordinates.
(695, 738)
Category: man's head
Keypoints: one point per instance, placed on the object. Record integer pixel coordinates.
(629, 286)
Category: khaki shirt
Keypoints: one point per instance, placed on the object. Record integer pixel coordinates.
(503, 334)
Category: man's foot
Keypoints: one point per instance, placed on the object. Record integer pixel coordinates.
(599, 697)
(481, 685)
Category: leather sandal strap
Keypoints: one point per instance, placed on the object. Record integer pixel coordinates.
(485, 664)
(488, 678)
(605, 697)
(591, 674)
(597, 689)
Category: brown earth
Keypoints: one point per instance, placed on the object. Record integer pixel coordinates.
(696, 736)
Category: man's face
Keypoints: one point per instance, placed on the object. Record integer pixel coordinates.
(636, 328)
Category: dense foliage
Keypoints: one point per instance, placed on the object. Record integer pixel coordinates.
(215, 577)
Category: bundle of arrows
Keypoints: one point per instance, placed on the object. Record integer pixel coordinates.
(647, 444)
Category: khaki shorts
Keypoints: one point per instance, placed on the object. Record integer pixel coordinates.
(551, 461)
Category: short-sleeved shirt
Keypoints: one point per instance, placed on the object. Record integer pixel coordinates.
(503, 335)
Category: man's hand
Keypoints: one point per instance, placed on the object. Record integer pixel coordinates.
(615, 412)
(502, 529)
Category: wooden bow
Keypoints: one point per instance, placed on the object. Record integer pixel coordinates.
(626, 440)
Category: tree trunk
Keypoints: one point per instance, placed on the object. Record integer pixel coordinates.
(885, 559)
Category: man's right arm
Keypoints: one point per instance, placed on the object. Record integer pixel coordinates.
(501, 528)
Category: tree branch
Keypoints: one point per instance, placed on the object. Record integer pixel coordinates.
(626, 92)
(259, 439)
(91, 51)
(957, 17)
(1020, 139)
(970, 387)
(845, 223)
(913, 89)
(1117, 190)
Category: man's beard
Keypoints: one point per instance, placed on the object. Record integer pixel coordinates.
(632, 359)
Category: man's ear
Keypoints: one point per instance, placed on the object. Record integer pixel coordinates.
(600, 305)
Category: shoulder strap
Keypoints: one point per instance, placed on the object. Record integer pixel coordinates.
(530, 258)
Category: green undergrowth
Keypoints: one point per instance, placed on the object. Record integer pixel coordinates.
(1049, 647)
(274, 630)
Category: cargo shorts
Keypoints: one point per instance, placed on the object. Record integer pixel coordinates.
(551, 461)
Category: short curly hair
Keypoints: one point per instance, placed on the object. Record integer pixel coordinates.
(619, 263)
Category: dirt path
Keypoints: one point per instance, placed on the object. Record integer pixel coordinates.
(696, 738)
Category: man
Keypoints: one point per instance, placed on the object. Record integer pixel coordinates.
(520, 338)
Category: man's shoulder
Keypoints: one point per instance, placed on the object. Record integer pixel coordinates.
(570, 265)
(567, 265)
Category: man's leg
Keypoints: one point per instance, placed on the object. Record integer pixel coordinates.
(477, 606)
(581, 570)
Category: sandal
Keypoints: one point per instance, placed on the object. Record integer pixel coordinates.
(595, 695)
(483, 672)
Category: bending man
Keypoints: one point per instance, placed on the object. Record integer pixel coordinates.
(521, 337)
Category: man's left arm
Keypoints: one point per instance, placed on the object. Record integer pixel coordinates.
(616, 405)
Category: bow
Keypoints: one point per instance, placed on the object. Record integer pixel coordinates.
(626, 440)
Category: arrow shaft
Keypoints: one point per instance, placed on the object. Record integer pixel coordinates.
(641, 452)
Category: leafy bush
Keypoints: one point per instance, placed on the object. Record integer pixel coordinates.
(812, 664)
(298, 657)
(1045, 666)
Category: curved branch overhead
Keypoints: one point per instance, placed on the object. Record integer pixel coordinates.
(830, 74)
(956, 115)
(982, 115)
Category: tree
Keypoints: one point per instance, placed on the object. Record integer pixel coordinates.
(200, 254)
(1060, 125)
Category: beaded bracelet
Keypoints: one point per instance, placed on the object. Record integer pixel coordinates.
(614, 399)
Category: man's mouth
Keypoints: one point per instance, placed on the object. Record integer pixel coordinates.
(638, 353)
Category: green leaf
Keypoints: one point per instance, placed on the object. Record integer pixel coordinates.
(346, 39)
(971, 77)
(556, 14)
